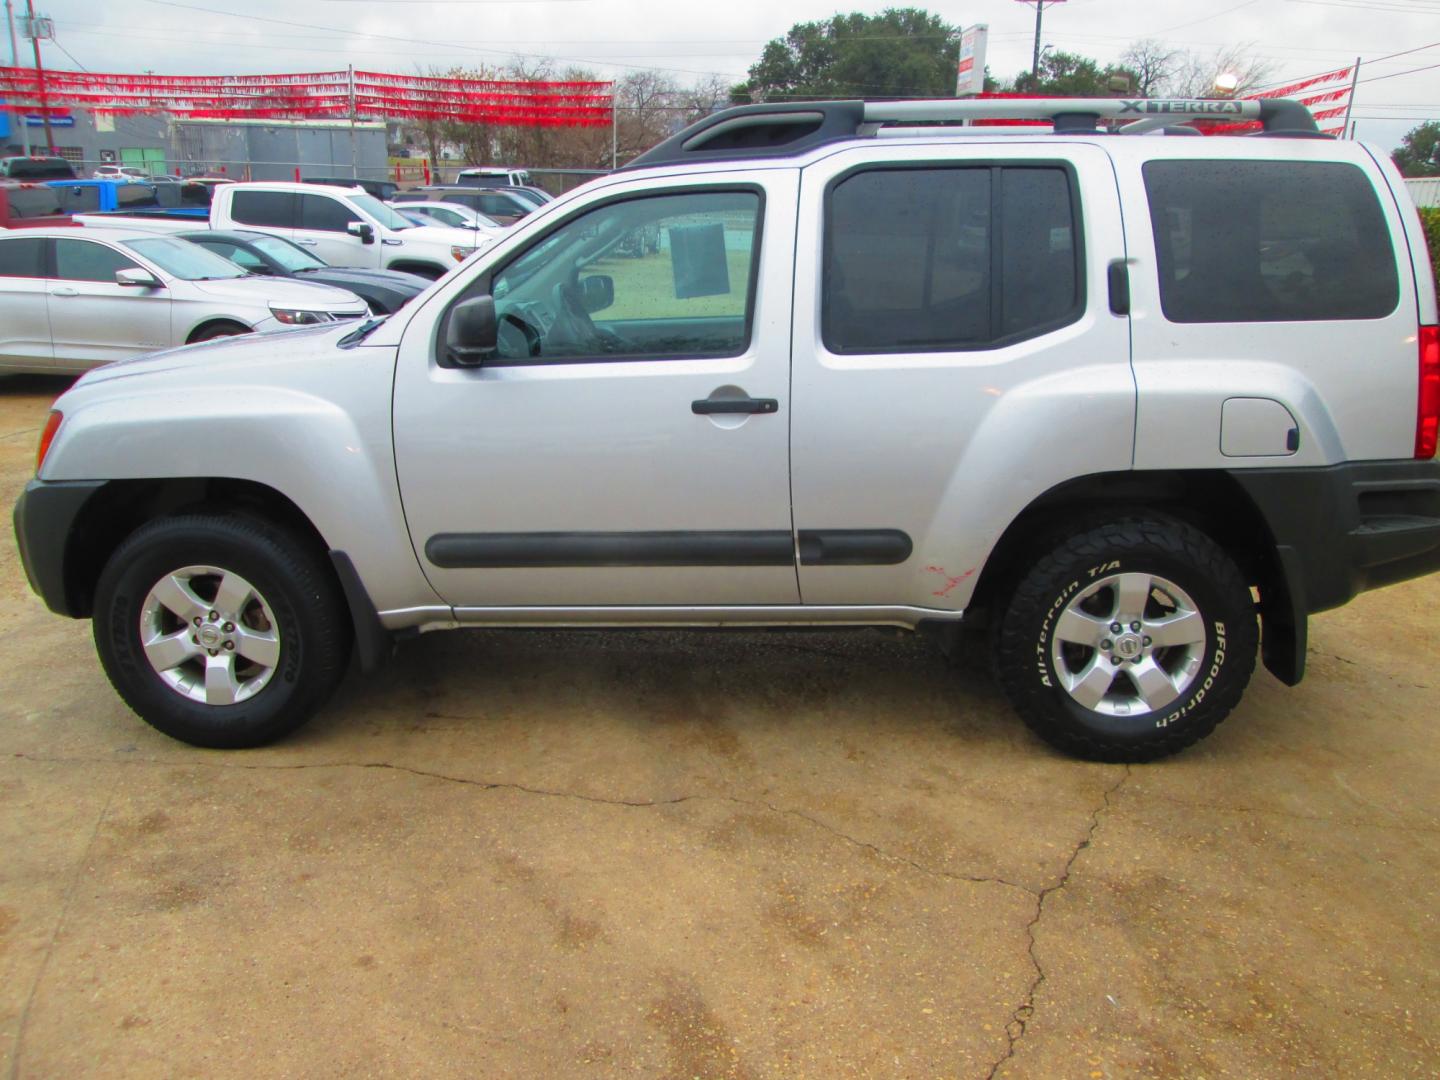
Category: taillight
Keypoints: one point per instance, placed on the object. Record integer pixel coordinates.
(1427, 415)
(47, 437)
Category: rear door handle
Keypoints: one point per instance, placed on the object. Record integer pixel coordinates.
(710, 406)
(307, 243)
(64, 290)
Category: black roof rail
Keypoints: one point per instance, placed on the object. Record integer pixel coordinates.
(748, 132)
(758, 131)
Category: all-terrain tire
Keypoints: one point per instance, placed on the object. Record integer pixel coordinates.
(295, 610)
(1047, 677)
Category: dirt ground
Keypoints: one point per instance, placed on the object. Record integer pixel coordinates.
(668, 855)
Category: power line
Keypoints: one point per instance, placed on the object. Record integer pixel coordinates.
(1397, 74)
(1203, 18)
(423, 41)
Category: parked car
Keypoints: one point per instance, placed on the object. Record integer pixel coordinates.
(493, 176)
(24, 205)
(187, 201)
(381, 189)
(451, 215)
(385, 291)
(1110, 395)
(36, 168)
(538, 196)
(71, 299)
(125, 173)
(501, 205)
(342, 226)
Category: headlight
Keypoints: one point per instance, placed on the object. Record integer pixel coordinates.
(461, 253)
(298, 317)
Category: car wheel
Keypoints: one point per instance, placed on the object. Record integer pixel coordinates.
(1128, 641)
(218, 330)
(220, 631)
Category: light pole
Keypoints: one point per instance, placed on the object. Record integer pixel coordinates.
(1040, 6)
(34, 25)
(15, 62)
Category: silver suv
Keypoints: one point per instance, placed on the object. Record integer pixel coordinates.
(1123, 400)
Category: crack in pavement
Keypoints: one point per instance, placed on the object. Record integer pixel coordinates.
(1020, 1018)
(492, 785)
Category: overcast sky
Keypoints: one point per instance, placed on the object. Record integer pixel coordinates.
(691, 40)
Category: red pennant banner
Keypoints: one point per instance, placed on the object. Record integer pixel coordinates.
(1305, 84)
(315, 95)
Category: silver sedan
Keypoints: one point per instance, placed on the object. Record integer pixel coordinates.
(71, 299)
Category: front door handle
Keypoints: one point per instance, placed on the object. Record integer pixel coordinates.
(307, 243)
(64, 290)
(710, 406)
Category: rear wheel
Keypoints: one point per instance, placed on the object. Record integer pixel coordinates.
(220, 631)
(1128, 641)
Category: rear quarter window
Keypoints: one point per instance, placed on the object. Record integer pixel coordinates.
(1269, 241)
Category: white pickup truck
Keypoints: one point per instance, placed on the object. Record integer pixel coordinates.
(342, 226)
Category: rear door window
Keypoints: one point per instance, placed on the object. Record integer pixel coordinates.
(1269, 241)
(944, 259)
(22, 257)
(324, 214)
(273, 209)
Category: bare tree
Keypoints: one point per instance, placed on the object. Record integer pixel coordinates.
(1153, 63)
(1195, 73)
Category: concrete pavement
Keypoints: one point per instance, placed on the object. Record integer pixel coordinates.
(749, 855)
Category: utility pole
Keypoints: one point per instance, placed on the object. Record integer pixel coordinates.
(40, 75)
(354, 154)
(1039, 18)
(1346, 131)
(15, 62)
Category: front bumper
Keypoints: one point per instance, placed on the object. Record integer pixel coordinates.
(45, 519)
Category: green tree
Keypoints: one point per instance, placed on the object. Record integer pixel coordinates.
(1419, 152)
(902, 52)
(1064, 74)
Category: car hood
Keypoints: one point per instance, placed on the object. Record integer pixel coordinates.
(344, 276)
(282, 292)
(246, 352)
(445, 235)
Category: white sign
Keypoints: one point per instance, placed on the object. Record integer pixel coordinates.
(970, 71)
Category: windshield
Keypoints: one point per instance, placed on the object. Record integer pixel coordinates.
(40, 169)
(285, 253)
(380, 212)
(184, 260)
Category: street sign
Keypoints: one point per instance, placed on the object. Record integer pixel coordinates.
(970, 71)
(31, 120)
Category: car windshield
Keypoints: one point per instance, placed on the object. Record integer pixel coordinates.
(184, 260)
(288, 255)
(40, 169)
(380, 212)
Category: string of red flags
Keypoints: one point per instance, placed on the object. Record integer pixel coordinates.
(314, 95)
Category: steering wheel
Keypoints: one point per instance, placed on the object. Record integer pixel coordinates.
(578, 324)
(510, 323)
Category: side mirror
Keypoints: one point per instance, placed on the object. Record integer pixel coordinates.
(361, 229)
(135, 278)
(472, 332)
(597, 293)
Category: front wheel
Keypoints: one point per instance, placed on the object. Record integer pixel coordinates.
(220, 631)
(1128, 641)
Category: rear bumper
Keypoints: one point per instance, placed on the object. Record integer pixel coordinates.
(45, 516)
(1342, 529)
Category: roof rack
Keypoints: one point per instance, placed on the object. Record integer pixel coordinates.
(786, 130)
